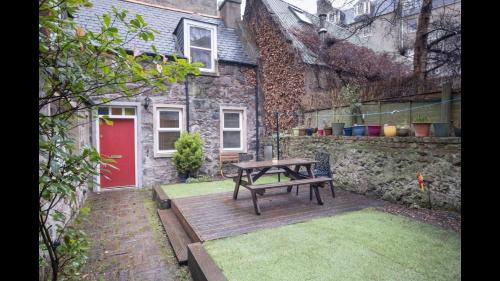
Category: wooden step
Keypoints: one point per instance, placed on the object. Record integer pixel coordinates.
(176, 234)
(202, 266)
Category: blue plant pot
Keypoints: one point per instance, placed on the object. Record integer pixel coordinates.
(348, 131)
(309, 131)
(358, 130)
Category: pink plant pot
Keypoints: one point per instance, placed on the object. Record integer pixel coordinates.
(374, 130)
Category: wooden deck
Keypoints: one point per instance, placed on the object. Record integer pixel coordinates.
(217, 215)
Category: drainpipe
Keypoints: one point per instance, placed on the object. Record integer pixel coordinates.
(257, 125)
(186, 87)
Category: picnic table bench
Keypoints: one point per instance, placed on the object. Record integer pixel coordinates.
(246, 169)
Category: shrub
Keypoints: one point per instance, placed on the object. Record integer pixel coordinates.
(188, 156)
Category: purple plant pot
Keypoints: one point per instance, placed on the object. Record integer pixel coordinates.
(374, 130)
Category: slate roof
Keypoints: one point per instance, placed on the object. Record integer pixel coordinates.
(383, 7)
(229, 45)
(289, 21)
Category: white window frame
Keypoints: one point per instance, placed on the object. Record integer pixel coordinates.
(242, 129)
(157, 108)
(213, 36)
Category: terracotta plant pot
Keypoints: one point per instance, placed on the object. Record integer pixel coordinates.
(390, 131)
(328, 131)
(402, 132)
(358, 130)
(302, 132)
(337, 129)
(348, 131)
(422, 129)
(296, 131)
(374, 130)
(441, 129)
(315, 130)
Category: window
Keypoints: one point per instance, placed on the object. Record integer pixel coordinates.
(363, 7)
(300, 15)
(335, 17)
(168, 126)
(116, 111)
(233, 129)
(200, 44)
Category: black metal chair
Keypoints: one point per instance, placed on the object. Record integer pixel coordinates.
(321, 169)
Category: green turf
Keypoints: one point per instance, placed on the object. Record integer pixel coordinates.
(193, 189)
(362, 245)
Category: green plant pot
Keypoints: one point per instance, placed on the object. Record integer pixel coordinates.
(337, 129)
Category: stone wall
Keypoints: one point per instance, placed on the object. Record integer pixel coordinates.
(387, 167)
(233, 86)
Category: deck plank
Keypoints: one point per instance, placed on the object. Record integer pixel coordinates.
(217, 215)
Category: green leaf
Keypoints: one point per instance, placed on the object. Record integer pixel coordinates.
(107, 19)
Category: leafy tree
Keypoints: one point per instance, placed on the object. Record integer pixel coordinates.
(188, 155)
(78, 70)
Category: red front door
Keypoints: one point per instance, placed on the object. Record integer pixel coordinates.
(117, 142)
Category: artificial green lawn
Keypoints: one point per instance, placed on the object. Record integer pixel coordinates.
(362, 245)
(193, 189)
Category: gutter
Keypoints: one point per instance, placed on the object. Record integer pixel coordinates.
(186, 90)
(257, 125)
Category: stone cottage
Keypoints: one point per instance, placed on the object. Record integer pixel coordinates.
(220, 103)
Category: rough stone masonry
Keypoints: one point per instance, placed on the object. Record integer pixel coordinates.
(387, 167)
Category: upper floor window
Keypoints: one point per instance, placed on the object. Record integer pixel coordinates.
(362, 7)
(200, 44)
(334, 17)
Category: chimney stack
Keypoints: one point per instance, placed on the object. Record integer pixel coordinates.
(323, 7)
(322, 30)
(230, 11)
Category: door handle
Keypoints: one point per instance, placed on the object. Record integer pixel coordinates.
(115, 156)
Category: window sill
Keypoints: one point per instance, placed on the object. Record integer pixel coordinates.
(163, 154)
(234, 150)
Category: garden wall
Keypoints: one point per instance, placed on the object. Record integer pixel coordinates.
(387, 167)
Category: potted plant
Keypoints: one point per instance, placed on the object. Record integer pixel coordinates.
(337, 128)
(188, 155)
(358, 130)
(296, 131)
(347, 131)
(422, 126)
(441, 129)
(403, 130)
(374, 130)
(389, 131)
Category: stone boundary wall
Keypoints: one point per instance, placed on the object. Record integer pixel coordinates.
(387, 167)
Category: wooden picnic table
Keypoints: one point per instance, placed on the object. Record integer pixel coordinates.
(285, 165)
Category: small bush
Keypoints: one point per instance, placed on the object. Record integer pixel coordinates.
(188, 156)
